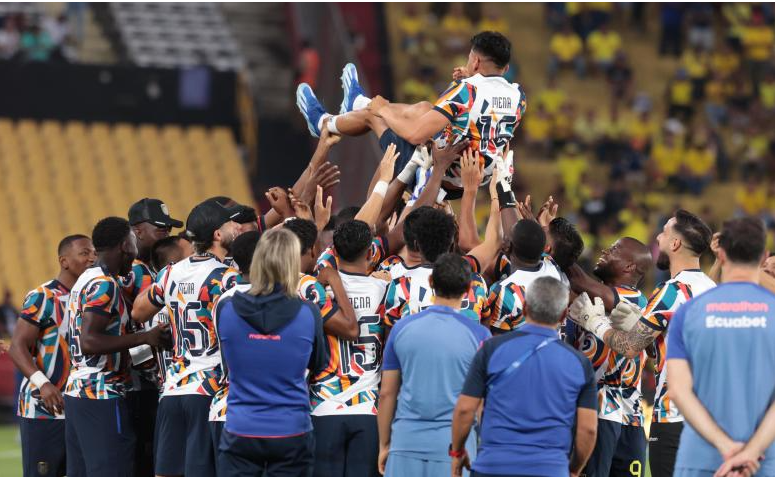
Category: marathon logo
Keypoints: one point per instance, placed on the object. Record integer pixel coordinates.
(737, 322)
(737, 307)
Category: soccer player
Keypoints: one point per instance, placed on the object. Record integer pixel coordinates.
(504, 311)
(621, 440)
(344, 395)
(39, 350)
(426, 360)
(151, 221)
(555, 387)
(242, 249)
(684, 238)
(188, 289)
(99, 435)
(721, 353)
(480, 105)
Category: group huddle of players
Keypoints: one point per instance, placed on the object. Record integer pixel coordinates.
(130, 317)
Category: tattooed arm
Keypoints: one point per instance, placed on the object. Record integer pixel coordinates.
(631, 343)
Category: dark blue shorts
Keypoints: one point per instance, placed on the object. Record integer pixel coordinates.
(142, 409)
(184, 445)
(43, 447)
(599, 463)
(216, 429)
(99, 436)
(404, 149)
(630, 457)
(346, 446)
(273, 457)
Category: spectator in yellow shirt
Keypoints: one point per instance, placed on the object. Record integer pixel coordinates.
(538, 128)
(418, 86)
(493, 19)
(699, 165)
(572, 163)
(603, 45)
(641, 130)
(566, 50)
(751, 198)
(695, 61)
(679, 95)
(758, 40)
(552, 97)
(456, 29)
(715, 100)
(410, 24)
(767, 92)
(588, 128)
(725, 60)
(667, 157)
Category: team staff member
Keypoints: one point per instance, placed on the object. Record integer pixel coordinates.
(684, 238)
(268, 430)
(99, 435)
(425, 363)
(187, 290)
(151, 222)
(39, 350)
(556, 388)
(721, 354)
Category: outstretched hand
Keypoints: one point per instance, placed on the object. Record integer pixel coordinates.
(548, 212)
(388, 162)
(322, 211)
(471, 170)
(279, 201)
(444, 157)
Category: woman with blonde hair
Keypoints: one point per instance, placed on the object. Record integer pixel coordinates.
(269, 337)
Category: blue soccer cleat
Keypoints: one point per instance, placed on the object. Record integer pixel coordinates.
(310, 107)
(351, 88)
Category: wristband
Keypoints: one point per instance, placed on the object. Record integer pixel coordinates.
(457, 454)
(380, 188)
(140, 354)
(506, 197)
(599, 327)
(38, 378)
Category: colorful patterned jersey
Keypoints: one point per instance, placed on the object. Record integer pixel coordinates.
(218, 405)
(409, 292)
(484, 109)
(378, 251)
(188, 289)
(503, 312)
(45, 308)
(612, 370)
(312, 290)
(146, 375)
(665, 300)
(97, 376)
(350, 382)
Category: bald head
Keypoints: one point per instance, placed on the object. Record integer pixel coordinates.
(624, 262)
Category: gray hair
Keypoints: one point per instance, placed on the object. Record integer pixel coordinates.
(546, 299)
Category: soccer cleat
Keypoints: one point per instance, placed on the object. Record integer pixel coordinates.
(352, 89)
(310, 107)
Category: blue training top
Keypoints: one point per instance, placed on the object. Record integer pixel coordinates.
(727, 335)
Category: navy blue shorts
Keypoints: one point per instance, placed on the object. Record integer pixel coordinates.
(630, 457)
(273, 457)
(99, 436)
(404, 149)
(142, 409)
(216, 429)
(43, 447)
(346, 446)
(184, 445)
(599, 463)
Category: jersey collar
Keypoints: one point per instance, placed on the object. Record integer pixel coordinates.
(537, 330)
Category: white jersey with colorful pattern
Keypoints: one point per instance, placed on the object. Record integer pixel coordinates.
(378, 251)
(349, 384)
(485, 110)
(218, 405)
(146, 375)
(506, 301)
(664, 301)
(45, 307)
(97, 376)
(409, 291)
(188, 290)
(610, 368)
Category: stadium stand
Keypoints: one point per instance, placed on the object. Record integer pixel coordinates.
(58, 161)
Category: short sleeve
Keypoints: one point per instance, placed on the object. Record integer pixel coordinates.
(231, 277)
(311, 290)
(37, 308)
(476, 379)
(473, 263)
(588, 393)
(456, 101)
(396, 300)
(389, 358)
(156, 291)
(100, 298)
(676, 348)
(327, 260)
(378, 251)
(658, 310)
(139, 278)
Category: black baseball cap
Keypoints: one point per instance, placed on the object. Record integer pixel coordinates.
(151, 210)
(246, 215)
(208, 216)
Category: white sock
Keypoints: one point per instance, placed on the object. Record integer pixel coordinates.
(322, 121)
(332, 124)
(361, 103)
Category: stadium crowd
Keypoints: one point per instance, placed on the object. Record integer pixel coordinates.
(389, 338)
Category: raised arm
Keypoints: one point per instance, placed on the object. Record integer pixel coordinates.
(581, 282)
(471, 173)
(370, 211)
(486, 252)
(414, 130)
